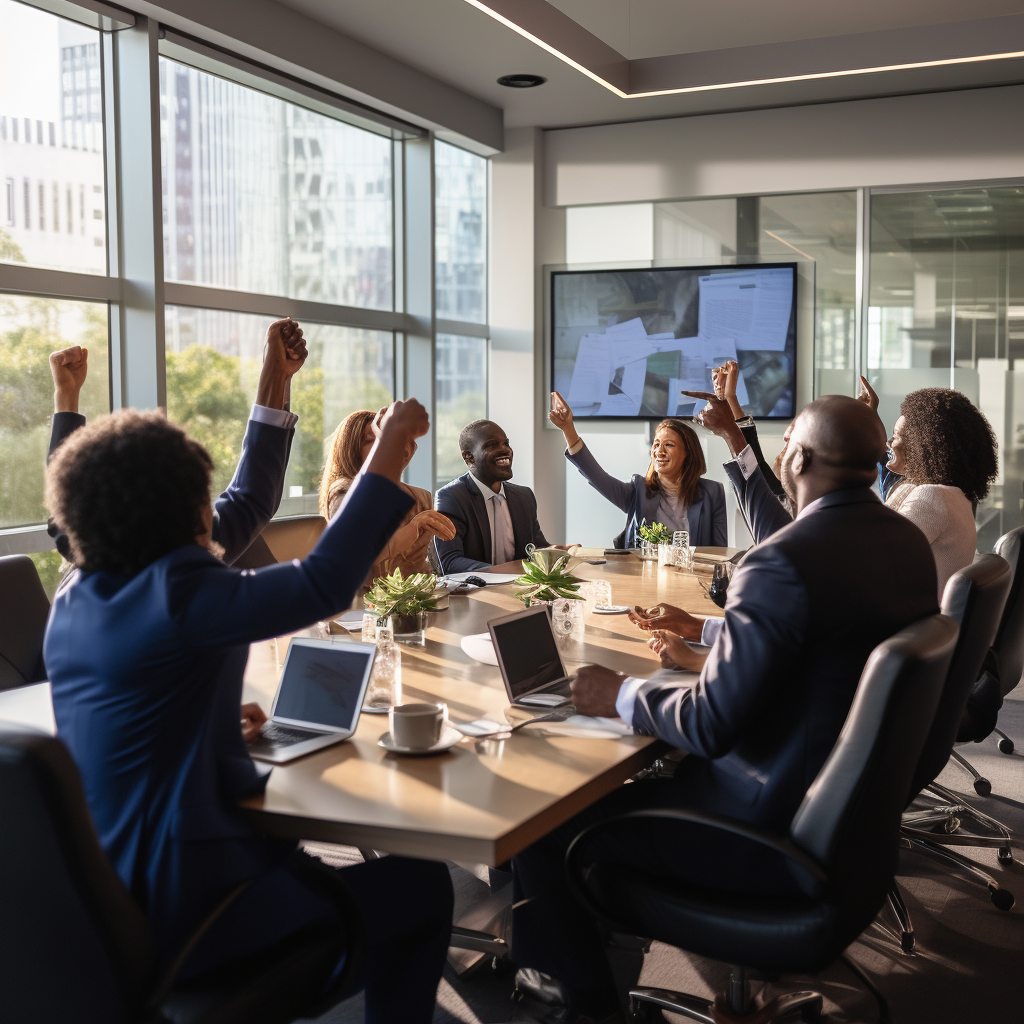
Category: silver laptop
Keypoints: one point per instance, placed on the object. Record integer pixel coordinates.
(529, 660)
(318, 700)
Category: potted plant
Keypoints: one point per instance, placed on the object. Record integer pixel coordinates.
(650, 537)
(547, 576)
(407, 600)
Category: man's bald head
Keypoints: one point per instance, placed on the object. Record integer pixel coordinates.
(837, 442)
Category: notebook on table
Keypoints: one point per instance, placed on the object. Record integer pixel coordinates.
(318, 700)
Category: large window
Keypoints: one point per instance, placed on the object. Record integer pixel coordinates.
(275, 199)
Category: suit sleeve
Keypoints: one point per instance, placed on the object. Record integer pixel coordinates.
(64, 424)
(764, 513)
(255, 491)
(719, 516)
(618, 492)
(450, 553)
(213, 606)
(765, 626)
(749, 432)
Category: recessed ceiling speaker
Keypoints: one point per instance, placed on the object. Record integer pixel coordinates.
(521, 81)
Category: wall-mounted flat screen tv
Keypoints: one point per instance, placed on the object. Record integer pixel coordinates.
(625, 343)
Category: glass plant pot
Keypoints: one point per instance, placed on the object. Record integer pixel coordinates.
(410, 629)
(647, 551)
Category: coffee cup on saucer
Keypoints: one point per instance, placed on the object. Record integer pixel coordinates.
(417, 726)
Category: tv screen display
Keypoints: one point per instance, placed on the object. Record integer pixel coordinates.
(625, 343)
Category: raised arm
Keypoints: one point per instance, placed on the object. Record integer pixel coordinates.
(69, 367)
(216, 606)
(618, 492)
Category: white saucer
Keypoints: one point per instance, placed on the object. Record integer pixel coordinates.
(615, 609)
(449, 737)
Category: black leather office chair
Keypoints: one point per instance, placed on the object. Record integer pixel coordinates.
(974, 598)
(24, 608)
(842, 845)
(75, 947)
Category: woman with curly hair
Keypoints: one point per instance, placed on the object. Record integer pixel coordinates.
(945, 452)
(407, 549)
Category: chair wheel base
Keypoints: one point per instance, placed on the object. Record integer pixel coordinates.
(982, 787)
(1006, 746)
(1002, 898)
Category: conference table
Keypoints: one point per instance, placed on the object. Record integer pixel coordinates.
(485, 799)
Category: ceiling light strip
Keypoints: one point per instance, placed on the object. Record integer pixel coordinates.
(790, 244)
(737, 85)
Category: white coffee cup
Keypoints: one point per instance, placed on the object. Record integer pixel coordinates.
(417, 726)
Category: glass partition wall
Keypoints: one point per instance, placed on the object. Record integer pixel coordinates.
(913, 288)
(271, 200)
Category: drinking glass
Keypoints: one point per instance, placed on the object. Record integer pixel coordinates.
(681, 551)
(567, 621)
(596, 594)
(666, 554)
(385, 689)
(720, 577)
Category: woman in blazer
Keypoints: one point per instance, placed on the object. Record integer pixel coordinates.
(146, 653)
(673, 491)
(407, 549)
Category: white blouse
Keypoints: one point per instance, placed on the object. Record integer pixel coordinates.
(945, 516)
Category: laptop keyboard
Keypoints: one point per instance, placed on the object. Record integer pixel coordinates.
(279, 735)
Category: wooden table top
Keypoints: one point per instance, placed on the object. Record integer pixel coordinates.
(484, 800)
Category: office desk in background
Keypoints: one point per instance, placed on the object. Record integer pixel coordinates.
(484, 800)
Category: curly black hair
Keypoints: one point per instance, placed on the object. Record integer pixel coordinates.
(128, 489)
(947, 440)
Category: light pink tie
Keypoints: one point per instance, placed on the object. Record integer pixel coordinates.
(504, 541)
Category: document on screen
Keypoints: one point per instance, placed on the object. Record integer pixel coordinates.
(753, 310)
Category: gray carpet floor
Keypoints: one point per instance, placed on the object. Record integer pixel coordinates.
(968, 967)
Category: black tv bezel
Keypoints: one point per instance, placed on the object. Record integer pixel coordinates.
(794, 266)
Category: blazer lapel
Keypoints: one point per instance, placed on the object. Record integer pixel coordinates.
(693, 517)
(477, 501)
(521, 534)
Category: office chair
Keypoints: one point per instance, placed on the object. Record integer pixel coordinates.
(842, 847)
(281, 541)
(974, 598)
(24, 608)
(76, 948)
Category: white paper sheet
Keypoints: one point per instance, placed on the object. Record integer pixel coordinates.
(492, 579)
(751, 309)
(631, 384)
(591, 372)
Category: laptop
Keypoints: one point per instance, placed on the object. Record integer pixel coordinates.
(318, 700)
(529, 660)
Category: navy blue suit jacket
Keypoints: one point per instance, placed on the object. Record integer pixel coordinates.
(804, 611)
(462, 502)
(147, 681)
(251, 499)
(709, 521)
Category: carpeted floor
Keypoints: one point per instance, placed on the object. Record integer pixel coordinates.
(969, 963)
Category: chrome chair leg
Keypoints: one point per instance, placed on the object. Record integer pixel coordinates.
(1002, 898)
(902, 915)
(981, 785)
(641, 1000)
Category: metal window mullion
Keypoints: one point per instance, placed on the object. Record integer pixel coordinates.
(862, 296)
(464, 328)
(18, 279)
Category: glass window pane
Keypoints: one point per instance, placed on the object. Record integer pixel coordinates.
(947, 310)
(461, 397)
(461, 234)
(213, 366)
(51, 142)
(30, 329)
(265, 196)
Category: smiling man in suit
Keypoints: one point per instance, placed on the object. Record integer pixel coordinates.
(494, 519)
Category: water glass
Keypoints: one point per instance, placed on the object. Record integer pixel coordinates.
(666, 554)
(385, 689)
(567, 621)
(648, 551)
(596, 594)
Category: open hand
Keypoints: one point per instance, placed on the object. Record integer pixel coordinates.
(69, 367)
(668, 617)
(253, 719)
(433, 524)
(867, 394)
(595, 690)
(561, 415)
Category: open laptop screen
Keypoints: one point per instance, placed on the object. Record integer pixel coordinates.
(322, 685)
(529, 653)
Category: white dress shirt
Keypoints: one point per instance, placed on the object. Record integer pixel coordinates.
(503, 544)
(273, 417)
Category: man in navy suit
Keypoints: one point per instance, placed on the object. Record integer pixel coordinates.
(494, 519)
(804, 611)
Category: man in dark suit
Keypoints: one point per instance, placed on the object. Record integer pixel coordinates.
(804, 611)
(494, 519)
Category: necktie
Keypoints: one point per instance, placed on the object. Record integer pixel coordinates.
(504, 541)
